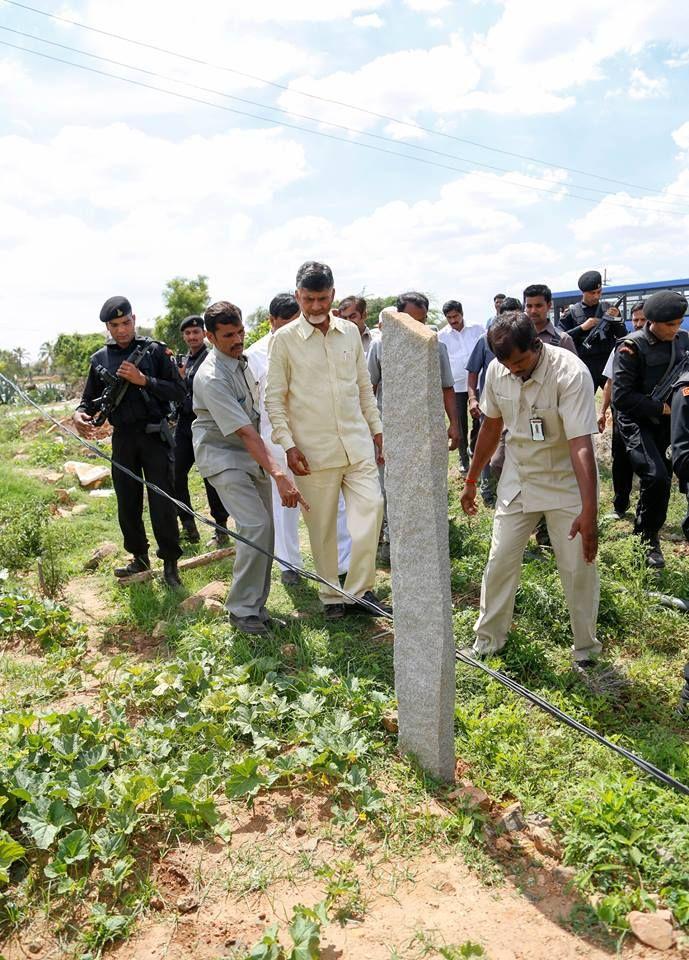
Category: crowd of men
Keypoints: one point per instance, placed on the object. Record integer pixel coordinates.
(296, 422)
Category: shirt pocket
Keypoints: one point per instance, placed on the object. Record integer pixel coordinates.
(552, 423)
(508, 409)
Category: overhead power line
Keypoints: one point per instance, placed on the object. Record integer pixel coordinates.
(301, 116)
(322, 134)
(338, 103)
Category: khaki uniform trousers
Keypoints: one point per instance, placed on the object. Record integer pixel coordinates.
(364, 511)
(511, 531)
(247, 499)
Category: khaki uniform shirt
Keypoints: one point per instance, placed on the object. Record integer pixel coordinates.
(318, 393)
(560, 393)
(225, 399)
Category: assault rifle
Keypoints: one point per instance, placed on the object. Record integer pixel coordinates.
(679, 365)
(115, 387)
(600, 331)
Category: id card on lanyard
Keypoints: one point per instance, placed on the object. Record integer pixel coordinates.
(536, 425)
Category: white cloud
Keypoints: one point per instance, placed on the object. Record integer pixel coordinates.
(681, 136)
(369, 20)
(427, 6)
(401, 84)
(643, 87)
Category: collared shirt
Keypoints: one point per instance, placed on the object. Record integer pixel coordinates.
(559, 393)
(375, 369)
(318, 393)
(480, 360)
(368, 338)
(460, 344)
(225, 399)
(557, 338)
(257, 355)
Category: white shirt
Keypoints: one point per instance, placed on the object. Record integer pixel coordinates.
(607, 369)
(257, 355)
(460, 344)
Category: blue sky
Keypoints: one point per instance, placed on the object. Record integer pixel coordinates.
(110, 188)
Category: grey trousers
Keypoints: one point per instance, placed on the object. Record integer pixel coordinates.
(247, 498)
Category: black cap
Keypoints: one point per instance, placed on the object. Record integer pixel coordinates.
(664, 307)
(114, 308)
(590, 280)
(193, 321)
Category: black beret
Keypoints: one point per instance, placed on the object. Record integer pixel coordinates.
(590, 280)
(193, 321)
(114, 308)
(664, 307)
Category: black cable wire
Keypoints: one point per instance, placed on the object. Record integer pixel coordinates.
(338, 103)
(320, 133)
(563, 717)
(308, 574)
(337, 126)
(502, 678)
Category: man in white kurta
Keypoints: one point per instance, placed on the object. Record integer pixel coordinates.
(320, 402)
(544, 397)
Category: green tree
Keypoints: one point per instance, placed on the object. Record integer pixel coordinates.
(71, 354)
(182, 297)
(257, 325)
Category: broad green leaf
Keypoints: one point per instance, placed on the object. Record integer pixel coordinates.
(44, 820)
(73, 847)
(309, 705)
(108, 845)
(10, 851)
(245, 779)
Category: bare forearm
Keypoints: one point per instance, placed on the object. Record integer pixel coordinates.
(259, 451)
(487, 440)
(450, 406)
(607, 396)
(472, 385)
(584, 465)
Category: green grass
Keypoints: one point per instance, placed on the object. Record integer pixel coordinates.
(217, 715)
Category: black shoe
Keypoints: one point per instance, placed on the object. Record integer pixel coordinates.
(191, 531)
(137, 564)
(219, 540)
(171, 574)
(654, 555)
(252, 625)
(290, 578)
(369, 598)
(334, 611)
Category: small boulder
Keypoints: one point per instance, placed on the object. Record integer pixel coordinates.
(512, 820)
(160, 630)
(87, 474)
(106, 549)
(213, 607)
(564, 875)
(63, 496)
(545, 842)
(80, 508)
(156, 903)
(651, 929)
(217, 590)
(390, 722)
(187, 903)
(192, 603)
(471, 796)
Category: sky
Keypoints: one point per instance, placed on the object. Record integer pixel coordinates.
(460, 148)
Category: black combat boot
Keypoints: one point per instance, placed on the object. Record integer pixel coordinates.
(221, 540)
(191, 531)
(171, 574)
(137, 564)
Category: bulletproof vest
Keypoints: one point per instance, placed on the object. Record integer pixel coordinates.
(657, 355)
(137, 405)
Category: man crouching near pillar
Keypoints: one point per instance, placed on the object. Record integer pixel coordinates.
(544, 397)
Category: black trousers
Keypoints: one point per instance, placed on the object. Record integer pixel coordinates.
(646, 444)
(146, 455)
(622, 471)
(184, 461)
(467, 438)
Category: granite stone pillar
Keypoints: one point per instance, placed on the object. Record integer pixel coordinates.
(416, 454)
